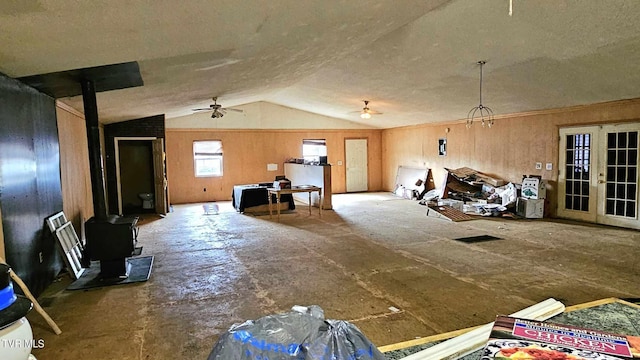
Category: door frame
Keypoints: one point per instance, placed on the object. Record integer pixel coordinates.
(594, 131)
(346, 163)
(602, 216)
(597, 179)
(116, 144)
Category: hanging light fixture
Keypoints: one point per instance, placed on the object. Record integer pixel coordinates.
(482, 113)
(366, 112)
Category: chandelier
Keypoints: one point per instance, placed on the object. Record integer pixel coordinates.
(481, 113)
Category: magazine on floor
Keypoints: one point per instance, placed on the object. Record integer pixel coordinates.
(513, 338)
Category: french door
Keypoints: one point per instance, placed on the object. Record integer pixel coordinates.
(598, 174)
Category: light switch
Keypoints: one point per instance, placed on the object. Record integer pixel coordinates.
(549, 166)
(538, 166)
(339, 162)
(272, 167)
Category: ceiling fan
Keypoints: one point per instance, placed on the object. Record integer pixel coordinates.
(218, 110)
(366, 112)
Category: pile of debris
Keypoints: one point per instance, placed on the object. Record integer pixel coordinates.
(474, 193)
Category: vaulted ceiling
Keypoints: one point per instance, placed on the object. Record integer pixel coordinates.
(415, 60)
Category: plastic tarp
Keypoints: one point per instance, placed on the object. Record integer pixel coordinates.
(300, 334)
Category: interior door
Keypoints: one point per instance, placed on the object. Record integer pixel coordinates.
(598, 179)
(159, 176)
(356, 164)
(577, 179)
(618, 176)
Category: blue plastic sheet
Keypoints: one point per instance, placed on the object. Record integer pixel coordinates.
(302, 334)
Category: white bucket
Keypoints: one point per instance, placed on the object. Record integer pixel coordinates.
(16, 341)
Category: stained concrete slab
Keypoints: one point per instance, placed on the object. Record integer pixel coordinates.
(393, 327)
(371, 252)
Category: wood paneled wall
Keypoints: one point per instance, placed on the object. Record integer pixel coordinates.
(74, 166)
(30, 189)
(508, 150)
(247, 153)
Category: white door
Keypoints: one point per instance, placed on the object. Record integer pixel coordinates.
(598, 178)
(356, 162)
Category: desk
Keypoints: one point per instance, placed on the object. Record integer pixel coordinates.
(295, 189)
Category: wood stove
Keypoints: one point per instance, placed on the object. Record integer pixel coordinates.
(111, 240)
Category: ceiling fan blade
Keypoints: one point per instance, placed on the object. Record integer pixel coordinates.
(236, 110)
(202, 109)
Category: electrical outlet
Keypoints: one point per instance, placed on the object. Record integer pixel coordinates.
(549, 166)
(538, 166)
(40, 257)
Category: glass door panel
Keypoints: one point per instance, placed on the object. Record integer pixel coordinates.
(618, 185)
(578, 173)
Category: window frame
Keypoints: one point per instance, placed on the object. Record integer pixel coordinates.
(201, 155)
(316, 143)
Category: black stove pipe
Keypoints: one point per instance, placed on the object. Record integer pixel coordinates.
(95, 155)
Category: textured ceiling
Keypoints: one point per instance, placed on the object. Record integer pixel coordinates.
(414, 60)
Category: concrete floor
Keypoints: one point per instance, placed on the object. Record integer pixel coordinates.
(374, 251)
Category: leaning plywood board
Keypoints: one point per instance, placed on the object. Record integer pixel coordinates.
(408, 177)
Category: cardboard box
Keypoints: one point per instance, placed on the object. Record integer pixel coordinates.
(530, 208)
(534, 188)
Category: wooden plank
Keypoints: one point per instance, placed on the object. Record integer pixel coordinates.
(426, 340)
(590, 304)
(450, 213)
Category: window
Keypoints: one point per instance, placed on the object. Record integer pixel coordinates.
(207, 158)
(312, 149)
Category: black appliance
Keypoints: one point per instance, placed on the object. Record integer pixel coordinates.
(111, 241)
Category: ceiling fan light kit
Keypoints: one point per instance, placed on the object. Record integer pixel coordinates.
(481, 113)
(218, 110)
(366, 112)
